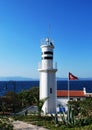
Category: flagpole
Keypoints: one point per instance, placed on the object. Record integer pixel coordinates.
(70, 77)
(68, 95)
(68, 88)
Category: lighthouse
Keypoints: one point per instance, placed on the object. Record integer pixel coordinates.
(47, 71)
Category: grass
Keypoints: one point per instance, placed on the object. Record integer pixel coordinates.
(49, 123)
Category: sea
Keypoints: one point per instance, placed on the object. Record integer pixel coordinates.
(18, 86)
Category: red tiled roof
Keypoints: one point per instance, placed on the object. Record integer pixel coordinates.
(72, 93)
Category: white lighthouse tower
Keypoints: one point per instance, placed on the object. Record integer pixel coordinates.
(47, 71)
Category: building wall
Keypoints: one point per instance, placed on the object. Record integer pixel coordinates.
(62, 101)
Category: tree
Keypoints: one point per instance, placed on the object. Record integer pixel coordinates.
(12, 102)
(82, 107)
(86, 107)
(24, 97)
(27, 96)
(34, 92)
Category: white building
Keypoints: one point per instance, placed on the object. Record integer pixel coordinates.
(47, 71)
(74, 95)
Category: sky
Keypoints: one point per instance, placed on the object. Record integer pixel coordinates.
(23, 25)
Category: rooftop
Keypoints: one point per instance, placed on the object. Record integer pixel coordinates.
(72, 93)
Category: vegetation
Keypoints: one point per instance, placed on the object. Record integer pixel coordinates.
(78, 116)
(13, 102)
(68, 118)
(5, 124)
(39, 104)
(27, 97)
(82, 108)
(49, 122)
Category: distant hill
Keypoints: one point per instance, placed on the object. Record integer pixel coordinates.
(15, 78)
(58, 78)
(20, 78)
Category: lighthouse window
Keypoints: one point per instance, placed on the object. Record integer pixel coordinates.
(50, 90)
(48, 52)
(47, 58)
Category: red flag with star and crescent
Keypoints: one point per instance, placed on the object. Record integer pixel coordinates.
(72, 77)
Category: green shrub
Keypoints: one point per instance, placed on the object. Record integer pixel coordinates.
(5, 124)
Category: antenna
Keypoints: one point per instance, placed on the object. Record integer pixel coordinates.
(49, 30)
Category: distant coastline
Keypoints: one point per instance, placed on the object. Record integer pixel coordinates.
(16, 78)
(20, 78)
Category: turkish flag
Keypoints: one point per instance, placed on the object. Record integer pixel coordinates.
(72, 77)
